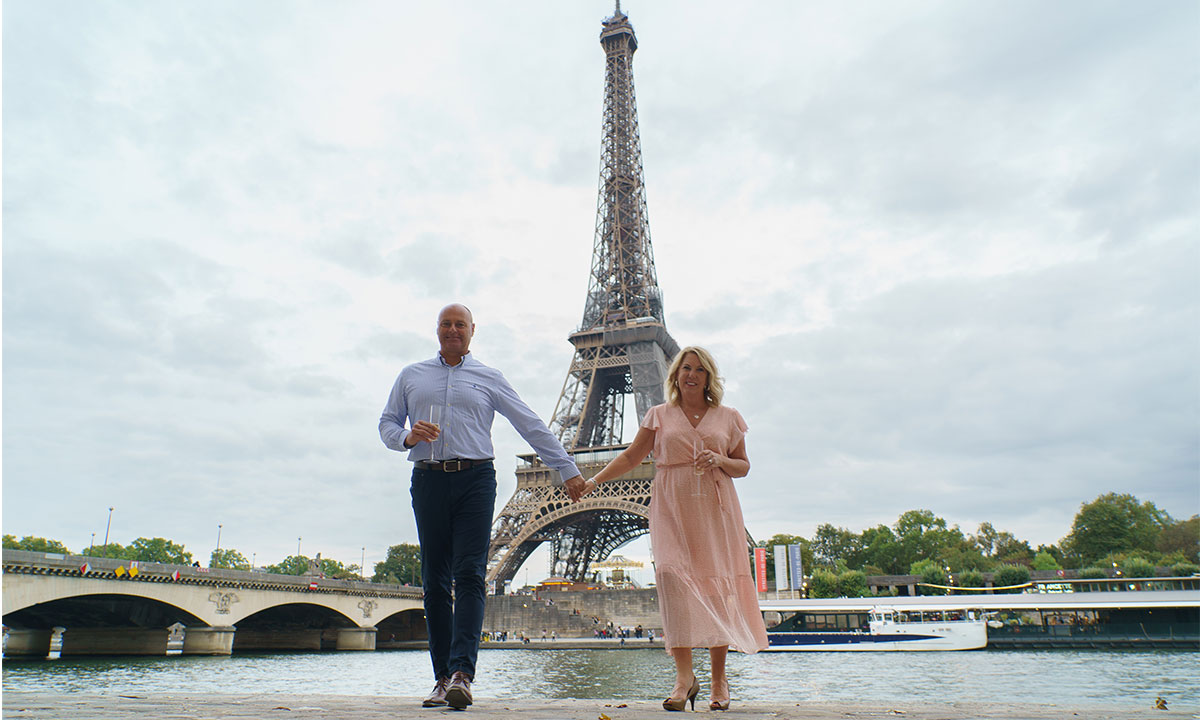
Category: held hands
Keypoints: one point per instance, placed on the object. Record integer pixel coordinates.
(577, 487)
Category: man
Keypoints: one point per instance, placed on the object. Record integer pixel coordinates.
(454, 487)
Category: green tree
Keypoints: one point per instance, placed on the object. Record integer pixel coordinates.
(1011, 575)
(1114, 523)
(969, 579)
(228, 558)
(335, 569)
(1012, 551)
(111, 550)
(1182, 536)
(985, 539)
(880, 549)
(35, 544)
(852, 584)
(159, 550)
(1185, 569)
(402, 565)
(922, 535)
(831, 545)
(291, 565)
(1136, 567)
(930, 573)
(824, 584)
(1045, 561)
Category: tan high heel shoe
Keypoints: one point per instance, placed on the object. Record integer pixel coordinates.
(717, 704)
(678, 705)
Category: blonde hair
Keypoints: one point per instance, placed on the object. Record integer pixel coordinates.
(714, 390)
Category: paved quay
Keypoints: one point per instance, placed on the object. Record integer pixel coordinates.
(114, 706)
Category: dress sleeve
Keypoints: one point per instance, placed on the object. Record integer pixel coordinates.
(653, 419)
(737, 432)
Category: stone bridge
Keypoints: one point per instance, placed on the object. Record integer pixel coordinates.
(78, 605)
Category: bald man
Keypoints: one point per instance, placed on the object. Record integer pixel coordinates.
(449, 402)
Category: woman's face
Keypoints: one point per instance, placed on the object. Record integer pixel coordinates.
(691, 376)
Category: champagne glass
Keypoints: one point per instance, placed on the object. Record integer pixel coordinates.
(697, 451)
(434, 418)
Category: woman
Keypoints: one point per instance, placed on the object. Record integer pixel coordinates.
(701, 565)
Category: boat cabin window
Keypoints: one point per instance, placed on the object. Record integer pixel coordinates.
(783, 621)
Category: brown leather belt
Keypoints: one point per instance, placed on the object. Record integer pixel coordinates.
(450, 465)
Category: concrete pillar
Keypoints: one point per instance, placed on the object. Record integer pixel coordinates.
(356, 638)
(114, 641)
(283, 639)
(19, 643)
(209, 640)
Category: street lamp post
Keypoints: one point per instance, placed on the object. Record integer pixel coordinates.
(298, 546)
(92, 544)
(219, 537)
(106, 527)
(362, 565)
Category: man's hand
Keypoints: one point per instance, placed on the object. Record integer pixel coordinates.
(576, 487)
(422, 432)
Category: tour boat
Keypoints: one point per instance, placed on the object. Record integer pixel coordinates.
(830, 625)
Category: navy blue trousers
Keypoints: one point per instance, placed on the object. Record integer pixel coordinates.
(454, 525)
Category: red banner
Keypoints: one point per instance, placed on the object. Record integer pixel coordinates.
(760, 568)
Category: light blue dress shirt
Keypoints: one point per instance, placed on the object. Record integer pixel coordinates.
(470, 395)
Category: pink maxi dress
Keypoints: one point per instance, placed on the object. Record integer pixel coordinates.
(701, 561)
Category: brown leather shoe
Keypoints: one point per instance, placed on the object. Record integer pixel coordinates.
(458, 695)
(437, 698)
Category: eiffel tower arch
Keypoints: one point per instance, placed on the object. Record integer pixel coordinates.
(622, 348)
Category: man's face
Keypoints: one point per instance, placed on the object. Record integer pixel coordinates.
(455, 330)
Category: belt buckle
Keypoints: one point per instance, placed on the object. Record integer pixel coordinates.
(457, 465)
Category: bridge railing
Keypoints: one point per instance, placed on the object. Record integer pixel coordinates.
(40, 563)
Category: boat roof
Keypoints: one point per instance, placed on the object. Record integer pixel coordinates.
(1020, 601)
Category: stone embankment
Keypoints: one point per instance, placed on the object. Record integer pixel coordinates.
(572, 614)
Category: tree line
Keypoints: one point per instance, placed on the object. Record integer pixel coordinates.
(402, 566)
(1113, 532)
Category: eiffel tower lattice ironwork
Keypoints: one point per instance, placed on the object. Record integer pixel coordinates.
(622, 348)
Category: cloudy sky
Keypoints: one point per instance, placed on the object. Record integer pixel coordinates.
(945, 252)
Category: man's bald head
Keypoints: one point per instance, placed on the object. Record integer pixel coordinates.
(455, 328)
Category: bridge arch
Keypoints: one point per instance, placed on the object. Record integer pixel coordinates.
(590, 529)
(97, 605)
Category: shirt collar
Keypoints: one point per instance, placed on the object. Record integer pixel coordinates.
(463, 363)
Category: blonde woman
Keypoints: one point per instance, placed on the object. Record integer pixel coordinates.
(701, 564)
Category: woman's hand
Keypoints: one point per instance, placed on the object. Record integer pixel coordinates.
(709, 460)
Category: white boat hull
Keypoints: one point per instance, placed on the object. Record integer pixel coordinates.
(888, 630)
(968, 636)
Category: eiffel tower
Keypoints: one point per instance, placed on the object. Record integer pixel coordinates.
(622, 348)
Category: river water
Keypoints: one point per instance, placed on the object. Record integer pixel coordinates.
(1059, 677)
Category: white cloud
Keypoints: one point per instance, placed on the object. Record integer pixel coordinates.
(945, 253)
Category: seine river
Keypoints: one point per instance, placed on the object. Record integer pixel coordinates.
(1068, 677)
